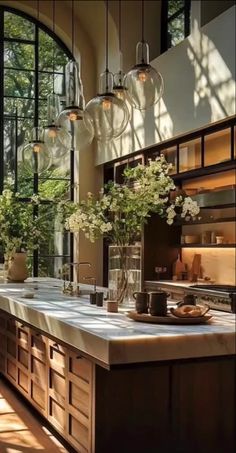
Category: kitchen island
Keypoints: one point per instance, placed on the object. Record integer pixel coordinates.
(108, 384)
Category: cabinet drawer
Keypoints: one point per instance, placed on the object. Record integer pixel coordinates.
(80, 367)
(23, 380)
(2, 343)
(11, 326)
(23, 357)
(79, 397)
(57, 385)
(11, 347)
(38, 396)
(2, 322)
(38, 372)
(78, 434)
(10, 369)
(23, 337)
(2, 363)
(57, 356)
(57, 415)
(38, 346)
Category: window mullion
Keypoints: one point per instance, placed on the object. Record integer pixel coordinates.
(1, 98)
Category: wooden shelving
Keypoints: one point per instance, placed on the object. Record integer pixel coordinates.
(206, 246)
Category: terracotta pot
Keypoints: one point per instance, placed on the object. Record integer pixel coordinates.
(18, 271)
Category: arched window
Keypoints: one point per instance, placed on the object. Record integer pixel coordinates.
(27, 70)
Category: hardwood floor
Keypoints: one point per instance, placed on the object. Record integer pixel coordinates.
(20, 431)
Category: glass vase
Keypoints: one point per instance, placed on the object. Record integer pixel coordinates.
(124, 273)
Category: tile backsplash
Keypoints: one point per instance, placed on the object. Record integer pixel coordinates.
(217, 263)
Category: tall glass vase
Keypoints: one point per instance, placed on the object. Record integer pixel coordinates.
(124, 274)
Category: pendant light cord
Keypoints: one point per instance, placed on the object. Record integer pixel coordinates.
(120, 25)
(53, 49)
(142, 20)
(106, 45)
(72, 27)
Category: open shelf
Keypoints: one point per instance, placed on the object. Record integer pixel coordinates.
(206, 221)
(193, 246)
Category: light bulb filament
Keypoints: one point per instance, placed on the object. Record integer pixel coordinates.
(52, 133)
(37, 148)
(106, 104)
(142, 76)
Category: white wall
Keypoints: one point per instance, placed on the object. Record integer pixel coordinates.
(199, 77)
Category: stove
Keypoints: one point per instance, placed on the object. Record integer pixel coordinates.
(219, 297)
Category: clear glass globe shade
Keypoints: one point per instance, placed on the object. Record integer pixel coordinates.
(145, 86)
(77, 121)
(109, 114)
(57, 139)
(84, 132)
(36, 157)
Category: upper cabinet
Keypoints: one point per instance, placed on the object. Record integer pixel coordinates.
(190, 155)
(217, 147)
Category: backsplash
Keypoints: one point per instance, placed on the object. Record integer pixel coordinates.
(219, 264)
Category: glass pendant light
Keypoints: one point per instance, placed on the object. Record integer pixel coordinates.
(119, 88)
(56, 137)
(35, 155)
(74, 117)
(110, 114)
(145, 84)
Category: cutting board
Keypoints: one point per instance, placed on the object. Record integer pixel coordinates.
(178, 267)
(195, 270)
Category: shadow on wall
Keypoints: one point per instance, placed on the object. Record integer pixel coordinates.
(199, 78)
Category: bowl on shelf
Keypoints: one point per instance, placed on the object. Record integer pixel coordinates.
(191, 239)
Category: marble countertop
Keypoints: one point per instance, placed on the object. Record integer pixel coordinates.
(112, 338)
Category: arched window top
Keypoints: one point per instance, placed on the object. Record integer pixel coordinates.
(32, 62)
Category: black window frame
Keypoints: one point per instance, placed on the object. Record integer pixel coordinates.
(165, 21)
(38, 26)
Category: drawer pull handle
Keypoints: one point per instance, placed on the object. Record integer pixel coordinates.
(22, 326)
(79, 357)
(55, 345)
(37, 334)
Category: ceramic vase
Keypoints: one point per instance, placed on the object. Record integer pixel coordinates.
(17, 271)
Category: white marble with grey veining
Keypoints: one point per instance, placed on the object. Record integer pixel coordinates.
(112, 338)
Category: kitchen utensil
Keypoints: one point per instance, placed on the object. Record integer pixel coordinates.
(196, 267)
(178, 268)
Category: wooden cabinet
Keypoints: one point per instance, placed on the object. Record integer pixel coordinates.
(159, 407)
(55, 380)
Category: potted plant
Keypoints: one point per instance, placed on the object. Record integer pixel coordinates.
(19, 232)
(120, 212)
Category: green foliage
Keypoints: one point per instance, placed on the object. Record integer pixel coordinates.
(122, 210)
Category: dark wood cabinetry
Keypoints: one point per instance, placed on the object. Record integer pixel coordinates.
(199, 156)
(159, 407)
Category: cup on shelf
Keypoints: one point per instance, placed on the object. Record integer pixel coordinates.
(220, 239)
(141, 301)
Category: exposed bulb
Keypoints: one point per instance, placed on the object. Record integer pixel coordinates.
(106, 104)
(37, 148)
(52, 132)
(74, 116)
(144, 84)
(142, 76)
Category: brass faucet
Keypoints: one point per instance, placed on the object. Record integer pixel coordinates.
(93, 279)
(80, 263)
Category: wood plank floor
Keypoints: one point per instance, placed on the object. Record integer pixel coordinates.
(20, 431)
